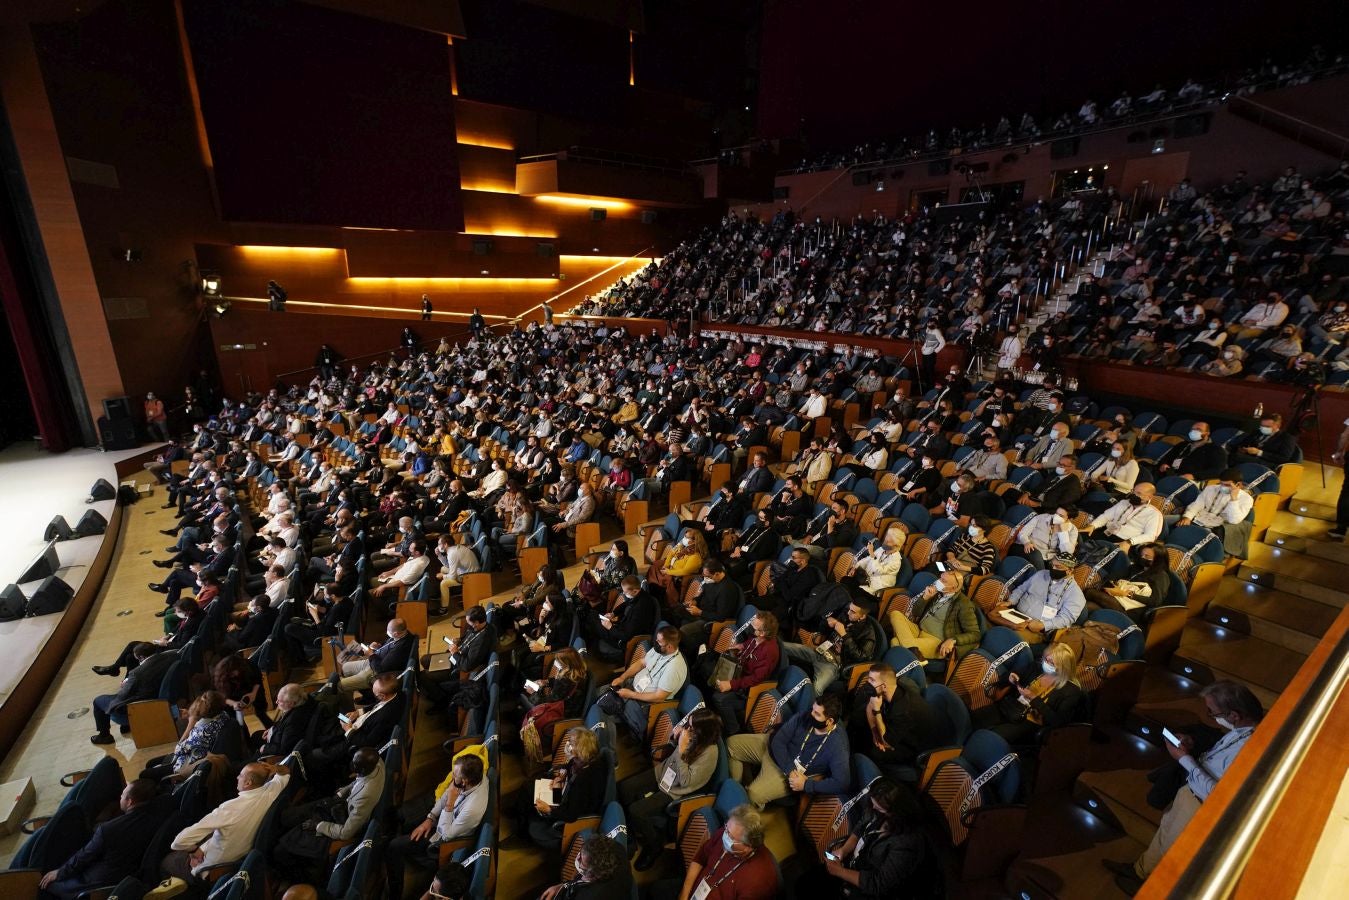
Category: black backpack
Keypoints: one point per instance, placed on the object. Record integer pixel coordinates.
(822, 600)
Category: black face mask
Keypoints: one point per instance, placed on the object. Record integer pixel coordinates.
(1057, 574)
(1135, 500)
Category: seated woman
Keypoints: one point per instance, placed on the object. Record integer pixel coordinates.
(873, 458)
(878, 566)
(1147, 582)
(677, 561)
(547, 629)
(685, 768)
(205, 717)
(724, 516)
(521, 524)
(615, 483)
(756, 543)
(1115, 475)
(519, 610)
(578, 790)
(971, 553)
(1054, 698)
(239, 681)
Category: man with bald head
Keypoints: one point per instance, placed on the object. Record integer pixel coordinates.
(1131, 521)
(314, 825)
(226, 834)
(1198, 460)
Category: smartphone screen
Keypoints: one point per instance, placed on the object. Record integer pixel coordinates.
(831, 856)
(1166, 733)
(941, 567)
(344, 718)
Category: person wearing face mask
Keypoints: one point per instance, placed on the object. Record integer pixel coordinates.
(1146, 584)
(728, 512)
(1117, 473)
(616, 565)
(682, 767)
(732, 864)
(1260, 318)
(1198, 460)
(929, 442)
(406, 575)
(677, 562)
(602, 873)
(1043, 603)
(1238, 712)
(718, 600)
(425, 825)
(989, 463)
(1046, 535)
(1052, 699)
(655, 677)
(876, 568)
(941, 623)
(314, 825)
(1063, 488)
(1333, 323)
(377, 658)
(847, 639)
(1270, 444)
(806, 754)
(1227, 365)
(883, 856)
(1045, 452)
(872, 459)
(467, 654)
(1222, 508)
(635, 613)
(792, 582)
(972, 552)
(1133, 520)
(922, 486)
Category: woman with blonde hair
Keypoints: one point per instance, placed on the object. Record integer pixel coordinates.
(1054, 698)
(877, 567)
(577, 789)
(677, 562)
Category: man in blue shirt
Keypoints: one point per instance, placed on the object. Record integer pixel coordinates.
(1043, 603)
(808, 754)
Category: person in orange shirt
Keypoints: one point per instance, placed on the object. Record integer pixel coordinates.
(156, 420)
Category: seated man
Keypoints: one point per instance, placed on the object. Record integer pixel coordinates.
(1133, 520)
(824, 533)
(426, 824)
(732, 863)
(848, 641)
(792, 582)
(225, 835)
(942, 623)
(406, 575)
(898, 722)
(370, 728)
(720, 600)
(807, 754)
(141, 683)
(313, 826)
(116, 848)
(635, 613)
(468, 654)
(1198, 460)
(300, 717)
(1222, 508)
(1047, 534)
(657, 676)
(1064, 486)
(389, 656)
(1271, 444)
(602, 873)
(1236, 709)
(1043, 603)
(758, 659)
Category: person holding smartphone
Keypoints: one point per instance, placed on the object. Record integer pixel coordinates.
(881, 856)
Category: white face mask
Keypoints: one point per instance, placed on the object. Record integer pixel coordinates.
(1057, 519)
(1116, 453)
(955, 487)
(1266, 430)
(1059, 470)
(1049, 668)
(974, 531)
(1224, 723)
(1195, 435)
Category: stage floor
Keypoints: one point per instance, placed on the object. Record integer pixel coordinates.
(34, 487)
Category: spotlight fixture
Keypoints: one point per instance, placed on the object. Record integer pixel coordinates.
(210, 283)
(220, 307)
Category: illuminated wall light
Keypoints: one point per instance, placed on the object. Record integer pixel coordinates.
(488, 188)
(584, 202)
(483, 141)
(447, 280)
(506, 232)
(345, 306)
(290, 251)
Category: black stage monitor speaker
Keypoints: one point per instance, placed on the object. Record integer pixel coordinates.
(43, 566)
(52, 596)
(91, 523)
(57, 528)
(117, 434)
(117, 408)
(13, 604)
(101, 490)
(599, 214)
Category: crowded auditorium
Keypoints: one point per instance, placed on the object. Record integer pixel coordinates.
(714, 450)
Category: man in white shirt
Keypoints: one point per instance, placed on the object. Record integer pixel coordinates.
(1133, 520)
(1220, 505)
(455, 815)
(1261, 317)
(406, 575)
(1050, 534)
(1009, 353)
(814, 406)
(225, 835)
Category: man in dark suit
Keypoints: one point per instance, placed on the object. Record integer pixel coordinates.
(929, 442)
(390, 656)
(299, 718)
(1198, 460)
(141, 683)
(634, 615)
(468, 654)
(1270, 445)
(116, 848)
(1063, 488)
(758, 478)
(721, 599)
